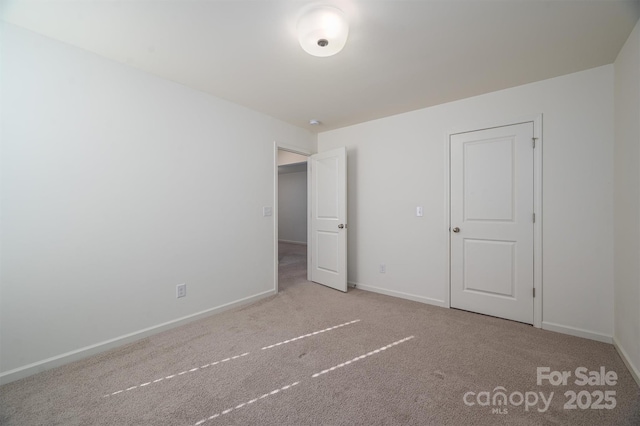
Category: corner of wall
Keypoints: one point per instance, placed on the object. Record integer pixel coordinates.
(635, 373)
(626, 337)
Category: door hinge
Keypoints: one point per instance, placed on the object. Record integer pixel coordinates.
(533, 140)
(534, 292)
(534, 218)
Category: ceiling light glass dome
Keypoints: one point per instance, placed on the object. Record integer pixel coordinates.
(323, 31)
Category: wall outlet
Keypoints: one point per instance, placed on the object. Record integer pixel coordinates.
(383, 268)
(181, 290)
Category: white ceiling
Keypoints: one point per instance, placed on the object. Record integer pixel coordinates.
(401, 55)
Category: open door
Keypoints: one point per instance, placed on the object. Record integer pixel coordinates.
(327, 174)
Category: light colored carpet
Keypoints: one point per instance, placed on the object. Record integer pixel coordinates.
(314, 356)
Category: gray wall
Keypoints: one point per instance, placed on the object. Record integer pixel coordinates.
(115, 188)
(627, 201)
(292, 207)
(399, 162)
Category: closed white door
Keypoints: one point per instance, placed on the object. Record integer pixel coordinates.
(328, 228)
(492, 221)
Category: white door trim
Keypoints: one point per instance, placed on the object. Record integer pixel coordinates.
(283, 147)
(537, 205)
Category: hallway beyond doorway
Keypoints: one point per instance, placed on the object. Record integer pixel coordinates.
(292, 265)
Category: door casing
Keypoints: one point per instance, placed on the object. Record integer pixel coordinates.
(537, 205)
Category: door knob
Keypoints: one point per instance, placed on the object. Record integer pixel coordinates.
(340, 226)
(456, 229)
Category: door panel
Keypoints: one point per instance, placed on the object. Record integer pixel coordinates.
(492, 210)
(327, 258)
(489, 267)
(488, 180)
(328, 236)
(327, 187)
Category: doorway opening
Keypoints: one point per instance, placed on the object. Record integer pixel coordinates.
(292, 218)
(326, 215)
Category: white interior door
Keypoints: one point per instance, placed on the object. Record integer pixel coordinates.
(492, 229)
(327, 174)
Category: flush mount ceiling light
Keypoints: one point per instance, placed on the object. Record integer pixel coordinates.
(323, 31)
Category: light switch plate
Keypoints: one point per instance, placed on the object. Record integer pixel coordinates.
(419, 211)
(267, 211)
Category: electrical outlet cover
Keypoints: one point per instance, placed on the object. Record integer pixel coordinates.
(181, 290)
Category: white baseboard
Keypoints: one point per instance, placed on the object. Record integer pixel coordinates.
(399, 294)
(635, 372)
(59, 360)
(301, 243)
(573, 331)
(578, 332)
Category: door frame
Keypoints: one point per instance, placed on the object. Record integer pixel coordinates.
(277, 146)
(537, 203)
